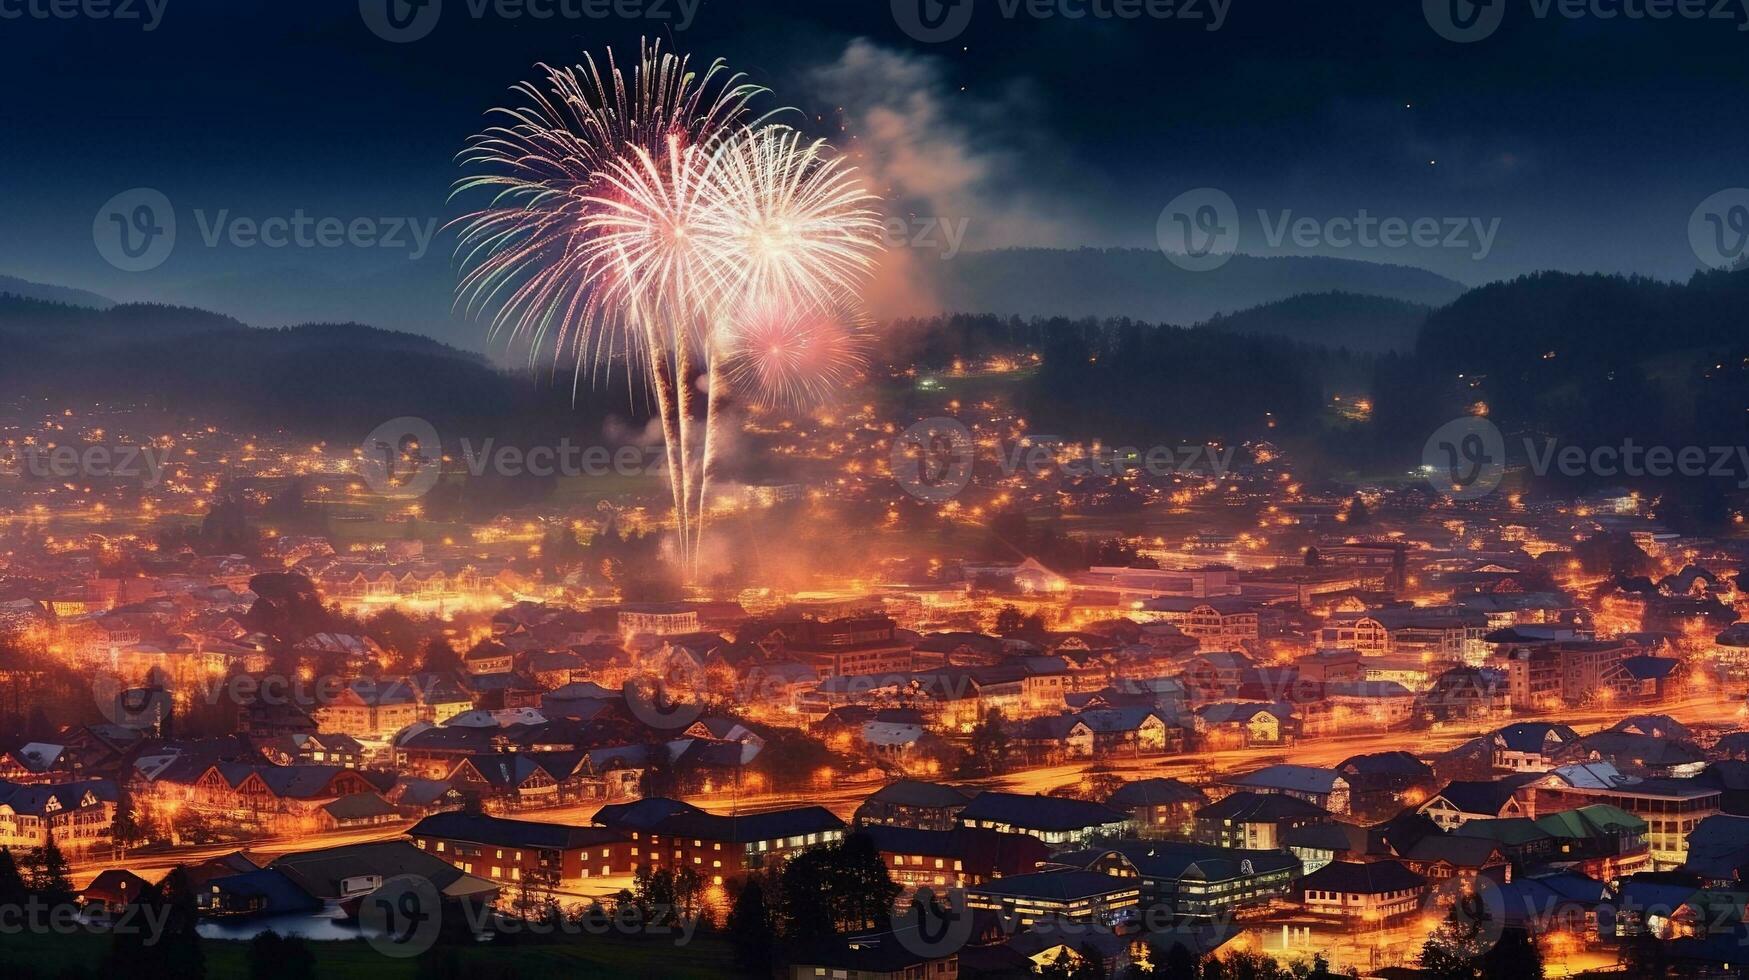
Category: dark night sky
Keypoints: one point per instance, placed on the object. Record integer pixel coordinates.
(1590, 140)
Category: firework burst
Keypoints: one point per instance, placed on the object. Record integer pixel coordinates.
(633, 222)
(791, 356)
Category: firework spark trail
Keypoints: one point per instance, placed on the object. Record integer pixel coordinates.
(790, 227)
(642, 222)
(526, 256)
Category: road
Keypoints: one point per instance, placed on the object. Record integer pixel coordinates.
(842, 797)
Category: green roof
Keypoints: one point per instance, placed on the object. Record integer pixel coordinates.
(1505, 830)
(1589, 821)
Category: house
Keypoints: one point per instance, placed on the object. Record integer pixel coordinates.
(1078, 896)
(910, 803)
(308, 748)
(1465, 800)
(873, 956)
(954, 858)
(1718, 851)
(670, 834)
(1192, 880)
(1530, 746)
(522, 850)
(1128, 731)
(333, 875)
(112, 890)
(1235, 724)
(1637, 755)
(1379, 892)
(1460, 858)
(1600, 841)
(510, 779)
(39, 762)
(1257, 821)
(1327, 789)
(1466, 693)
(1645, 679)
(76, 815)
(356, 810)
(263, 891)
(1385, 780)
(1053, 819)
(1554, 901)
(1671, 808)
(1159, 807)
(1520, 839)
(1318, 844)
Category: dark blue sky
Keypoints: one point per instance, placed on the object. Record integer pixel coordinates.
(1590, 140)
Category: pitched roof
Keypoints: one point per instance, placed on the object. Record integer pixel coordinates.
(1291, 778)
(1248, 807)
(1353, 878)
(1460, 851)
(1504, 830)
(1480, 796)
(500, 832)
(1064, 885)
(915, 792)
(1534, 736)
(1342, 838)
(1039, 812)
(1155, 792)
